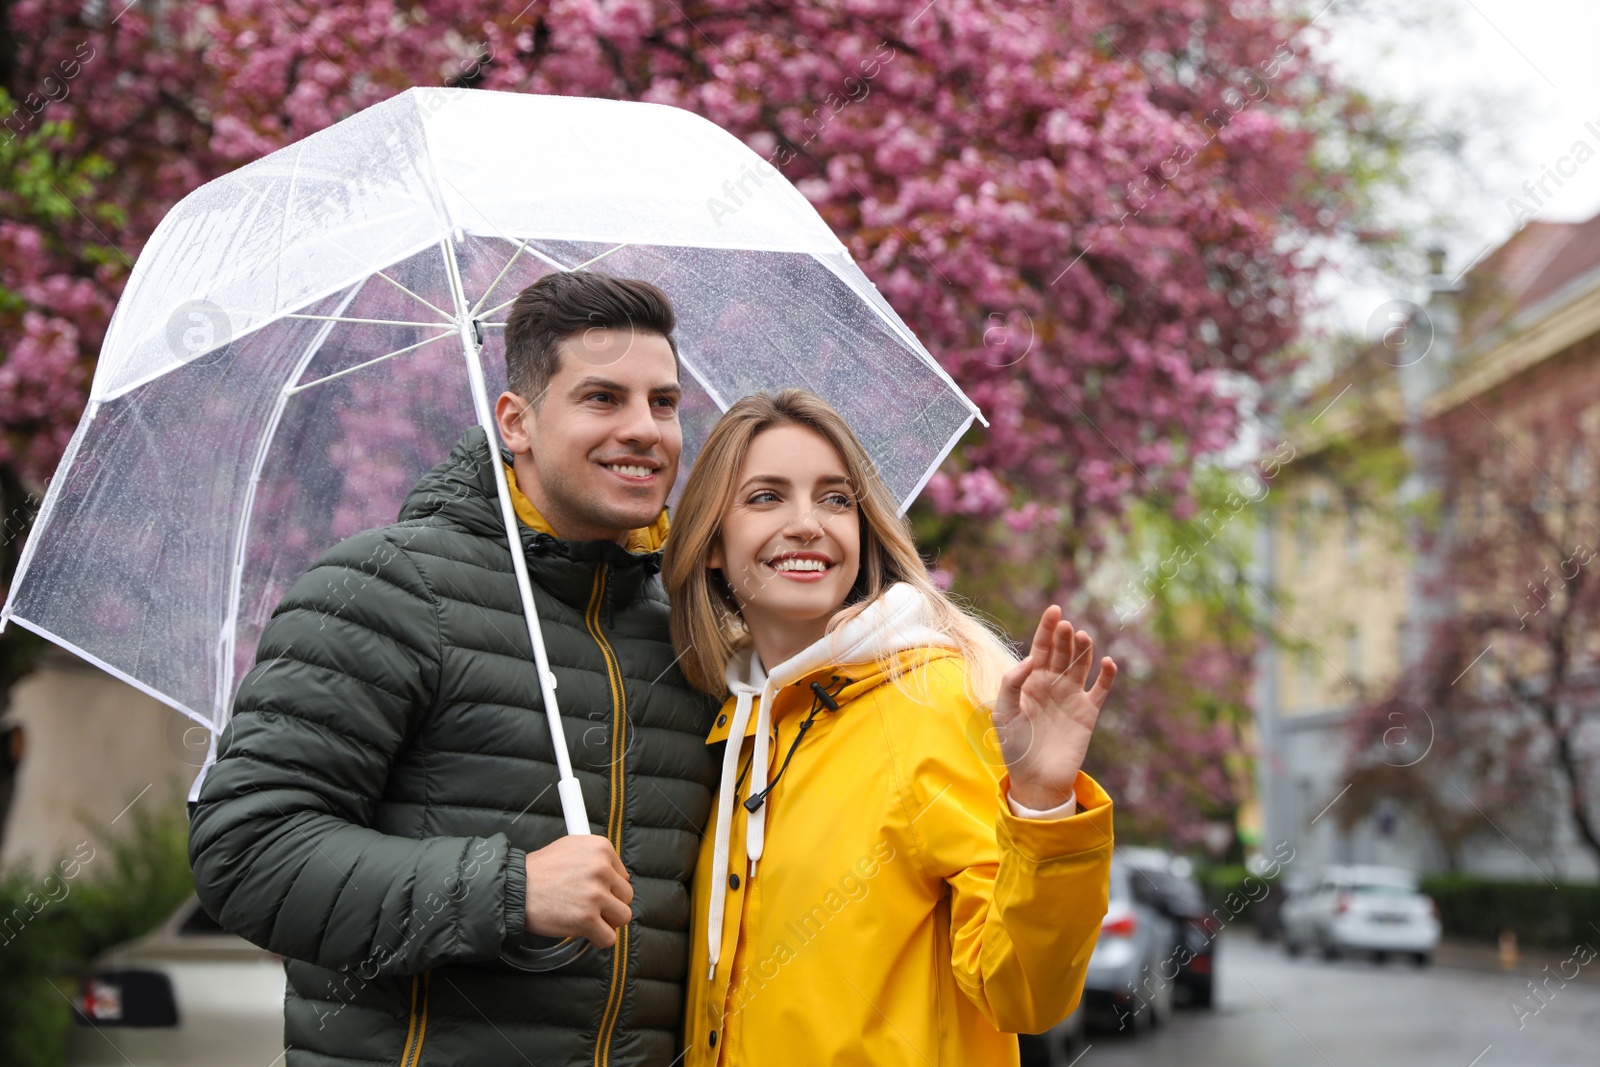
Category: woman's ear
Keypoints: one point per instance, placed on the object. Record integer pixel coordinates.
(715, 560)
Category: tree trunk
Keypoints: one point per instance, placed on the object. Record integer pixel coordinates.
(1574, 772)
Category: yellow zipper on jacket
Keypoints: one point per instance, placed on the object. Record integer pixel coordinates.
(412, 1054)
(619, 748)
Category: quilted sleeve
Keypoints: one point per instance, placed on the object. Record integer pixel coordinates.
(281, 839)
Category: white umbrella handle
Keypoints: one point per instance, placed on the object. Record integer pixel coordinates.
(567, 787)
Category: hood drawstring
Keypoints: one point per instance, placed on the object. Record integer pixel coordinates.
(900, 619)
(744, 699)
(822, 699)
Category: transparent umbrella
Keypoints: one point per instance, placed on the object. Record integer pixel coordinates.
(301, 339)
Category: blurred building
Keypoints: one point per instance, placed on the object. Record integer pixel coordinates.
(1347, 577)
(89, 753)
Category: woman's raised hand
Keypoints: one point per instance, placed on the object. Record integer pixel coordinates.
(1045, 716)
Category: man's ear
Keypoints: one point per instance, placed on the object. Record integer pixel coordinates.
(509, 409)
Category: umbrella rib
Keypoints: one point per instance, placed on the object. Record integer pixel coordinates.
(292, 390)
(445, 315)
(502, 307)
(602, 255)
(556, 263)
(505, 304)
(553, 263)
(524, 247)
(230, 631)
(711, 391)
(498, 278)
(374, 322)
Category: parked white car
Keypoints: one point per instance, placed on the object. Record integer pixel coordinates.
(1377, 910)
(188, 994)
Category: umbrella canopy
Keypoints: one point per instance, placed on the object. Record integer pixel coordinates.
(301, 339)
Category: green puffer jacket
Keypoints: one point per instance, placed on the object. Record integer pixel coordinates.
(389, 763)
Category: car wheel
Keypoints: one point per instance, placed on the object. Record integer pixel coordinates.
(1034, 1050)
(1200, 995)
(1421, 959)
(1291, 946)
(1330, 951)
(1068, 1043)
(1136, 1019)
(1057, 1047)
(1380, 957)
(1161, 1005)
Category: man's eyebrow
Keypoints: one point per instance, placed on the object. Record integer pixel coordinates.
(596, 382)
(593, 382)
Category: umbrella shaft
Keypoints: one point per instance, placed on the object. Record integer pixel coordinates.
(567, 788)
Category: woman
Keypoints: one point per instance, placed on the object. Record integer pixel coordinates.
(878, 884)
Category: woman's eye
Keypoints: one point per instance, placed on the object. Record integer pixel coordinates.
(838, 500)
(765, 496)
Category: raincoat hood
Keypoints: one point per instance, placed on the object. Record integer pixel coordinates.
(900, 620)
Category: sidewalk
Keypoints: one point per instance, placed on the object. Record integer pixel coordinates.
(1477, 956)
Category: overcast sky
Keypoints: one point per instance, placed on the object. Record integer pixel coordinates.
(1522, 77)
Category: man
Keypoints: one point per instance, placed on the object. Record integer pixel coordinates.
(382, 812)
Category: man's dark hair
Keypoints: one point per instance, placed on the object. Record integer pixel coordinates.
(560, 305)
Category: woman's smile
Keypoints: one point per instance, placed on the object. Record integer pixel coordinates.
(801, 566)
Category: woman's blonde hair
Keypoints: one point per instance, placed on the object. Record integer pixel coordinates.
(706, 628)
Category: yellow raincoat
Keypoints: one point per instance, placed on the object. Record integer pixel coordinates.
(897, 912)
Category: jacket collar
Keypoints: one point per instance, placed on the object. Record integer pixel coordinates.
(643, 540)
(461, 491)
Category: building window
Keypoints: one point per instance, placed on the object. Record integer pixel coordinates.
(1353, 653)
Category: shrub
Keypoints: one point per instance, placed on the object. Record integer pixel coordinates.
(52, 927)
(1539, 913)
(1237, 896)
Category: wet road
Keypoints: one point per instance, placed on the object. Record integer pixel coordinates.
(1276, 1012)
